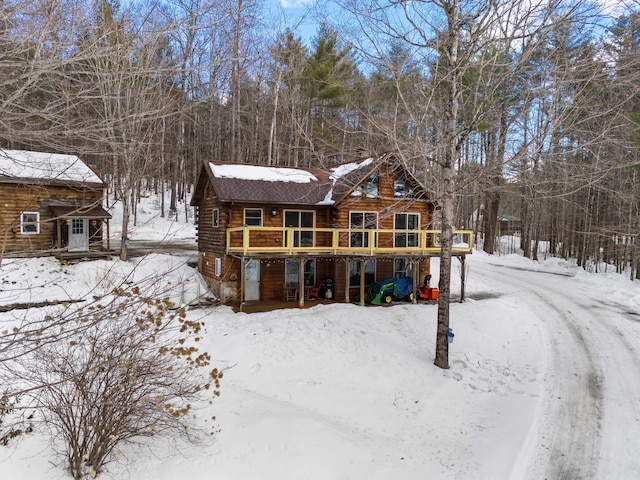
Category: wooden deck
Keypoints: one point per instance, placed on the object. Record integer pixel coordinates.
(90, 255)
(275, 241)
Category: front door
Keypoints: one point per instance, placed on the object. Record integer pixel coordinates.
(79, 235)
(252, 280)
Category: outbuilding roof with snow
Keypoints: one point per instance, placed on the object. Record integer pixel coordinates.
(40, 167)
(286, 185)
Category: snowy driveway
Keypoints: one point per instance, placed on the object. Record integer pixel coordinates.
(589, 419)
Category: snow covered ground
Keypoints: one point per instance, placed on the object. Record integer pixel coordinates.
(544, 381)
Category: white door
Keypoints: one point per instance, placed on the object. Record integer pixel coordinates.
(79, 235)
(252, 280)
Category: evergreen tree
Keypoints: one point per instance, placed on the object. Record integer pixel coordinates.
(327, 81)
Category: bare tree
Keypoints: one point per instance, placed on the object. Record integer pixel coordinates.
(453, 39)
(129, 370)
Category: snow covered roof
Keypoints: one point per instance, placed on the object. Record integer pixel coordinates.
(45, 167)
(260, 172)
(286, 185)
(343, 170)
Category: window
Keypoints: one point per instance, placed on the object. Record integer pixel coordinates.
(406, 221)
(78, 226)
(372, 186)
(295, 218)
(399, 186)
(361, 220)
(215, 218)
(252, 217)
(30, 223)
(402, 267)
(292, 273)
(354, 272)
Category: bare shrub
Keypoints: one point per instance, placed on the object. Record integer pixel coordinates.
(133, 374)
(12, 425)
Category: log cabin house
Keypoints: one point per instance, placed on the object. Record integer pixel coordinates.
(270, 232)
(51, 205)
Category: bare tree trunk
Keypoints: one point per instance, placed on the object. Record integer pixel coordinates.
(124, 237)
(274, 118)
(452, 11)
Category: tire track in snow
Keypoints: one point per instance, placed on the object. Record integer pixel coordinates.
(569, 433)
(619, 347)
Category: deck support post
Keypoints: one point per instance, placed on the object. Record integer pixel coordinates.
(347, 280)
(301, 262)
(463, 276)
(363, 263)
(415, 274)
(243, 266)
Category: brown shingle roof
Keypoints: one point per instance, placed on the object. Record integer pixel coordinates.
(87, 211)
(285, 185)
(246, 190)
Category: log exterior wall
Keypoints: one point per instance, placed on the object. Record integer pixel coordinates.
(227, 285)
(16, 198)
(385, 205)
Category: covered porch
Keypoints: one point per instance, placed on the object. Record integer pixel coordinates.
(80, 230)
(349, 278)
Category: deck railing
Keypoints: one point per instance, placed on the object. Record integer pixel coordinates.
(342, 241)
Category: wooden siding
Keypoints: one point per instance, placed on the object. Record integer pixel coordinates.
(213, 239)
(225, 286)
(331, 223)
(385, 203)
(18, 198)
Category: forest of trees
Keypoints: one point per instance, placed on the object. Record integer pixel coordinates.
(532, 110)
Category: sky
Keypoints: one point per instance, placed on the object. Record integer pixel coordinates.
(295, 4)
(295, 14)
(298, 17)
(544, 378)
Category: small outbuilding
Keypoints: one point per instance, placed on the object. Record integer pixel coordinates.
(51, 204)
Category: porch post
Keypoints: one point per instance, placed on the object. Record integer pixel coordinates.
(301, 262)
(243, 264)
(415, 273)
(59, 239)
(463, 276)
(108, 240)
(363, 262)
(348, 279)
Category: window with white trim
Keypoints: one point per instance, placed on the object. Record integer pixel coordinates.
(362, 220)
(215, 218)
(252, 217)
(30, 223)
(300, 218)
(406, 221)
